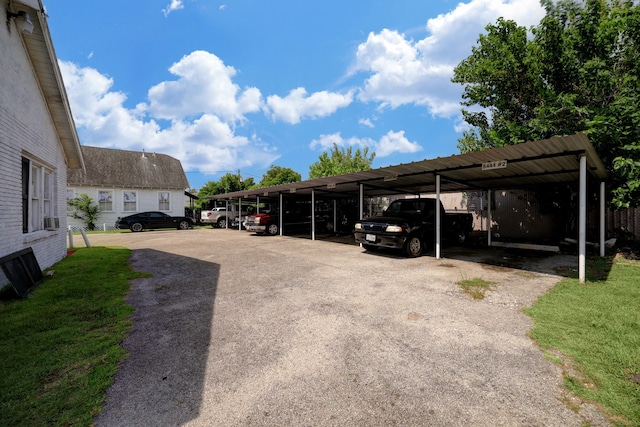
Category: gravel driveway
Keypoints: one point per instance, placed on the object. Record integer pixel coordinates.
(236, 329)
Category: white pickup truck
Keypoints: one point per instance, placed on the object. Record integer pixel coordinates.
(219, 216)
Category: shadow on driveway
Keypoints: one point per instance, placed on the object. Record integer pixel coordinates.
(168, 344)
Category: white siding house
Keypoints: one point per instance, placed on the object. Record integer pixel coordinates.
(123, 182)
(38, 139)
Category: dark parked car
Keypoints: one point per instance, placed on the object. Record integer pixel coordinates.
(140, 221)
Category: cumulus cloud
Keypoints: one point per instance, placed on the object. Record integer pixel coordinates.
(297, 105)
(366, 122)
(391, 143)
(206, 142)
(204, 85)
(403, 71)
(173, 6)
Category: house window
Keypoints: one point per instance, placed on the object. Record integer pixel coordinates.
(70, 196)
(130, 201)
(164, 201)
(105, 200)
(38, 194)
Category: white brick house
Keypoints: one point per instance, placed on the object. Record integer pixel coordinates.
(124, 182)
(38, 139)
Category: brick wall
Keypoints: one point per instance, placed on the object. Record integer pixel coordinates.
(26, 130)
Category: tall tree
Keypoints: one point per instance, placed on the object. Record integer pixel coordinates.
(341, 161)
(228, 183)
(278, 175)
(579, 73)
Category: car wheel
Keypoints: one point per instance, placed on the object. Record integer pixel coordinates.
(183, 225)
(413, 247)
(461, 236)
(222, 223)
(136, 226)
(272, 229)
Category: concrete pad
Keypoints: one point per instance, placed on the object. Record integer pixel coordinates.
(236, 329)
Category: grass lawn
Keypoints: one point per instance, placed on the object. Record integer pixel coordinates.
(593, 331)
(60, 347)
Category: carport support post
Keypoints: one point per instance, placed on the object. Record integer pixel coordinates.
(489, 218)
(437, 216)
(239, 213)
(226, 213)
(361, 203)
(602, 218)
(281, 216)
(313, 214)
(335, 217)
(582, 220)
(257, 204)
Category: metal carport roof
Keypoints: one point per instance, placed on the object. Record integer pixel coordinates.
(529, 164)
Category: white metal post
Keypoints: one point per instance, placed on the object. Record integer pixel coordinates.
(313, 214)
(361, 198)
(437, 216)
(603, 214)
(582, 220)
(489, 219)
(335, 217)
(226, 213)
(280, 220)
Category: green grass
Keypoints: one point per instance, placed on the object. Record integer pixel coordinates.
(476, 287)
(60, 347)
(593, 331)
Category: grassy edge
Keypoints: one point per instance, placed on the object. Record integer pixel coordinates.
(61, 346)
(591, 332)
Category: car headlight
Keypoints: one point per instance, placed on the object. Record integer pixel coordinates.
(358, 226)
(393, 229)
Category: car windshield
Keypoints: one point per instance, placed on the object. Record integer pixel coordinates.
(406, 206)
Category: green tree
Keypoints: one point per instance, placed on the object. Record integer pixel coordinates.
(579, 73)
(278, 175)
(341, 161)
(85, 209)
(227, 184)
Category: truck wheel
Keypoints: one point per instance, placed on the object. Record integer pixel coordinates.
(136, 226)
(413, 247)
(272, 229)
(222, 223)
(461, 236)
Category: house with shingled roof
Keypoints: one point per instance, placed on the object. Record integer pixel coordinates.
(123, 182)
(38, 141)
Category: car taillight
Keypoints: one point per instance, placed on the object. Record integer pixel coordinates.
(208, 214)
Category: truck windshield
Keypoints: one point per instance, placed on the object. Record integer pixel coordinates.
(406, 206)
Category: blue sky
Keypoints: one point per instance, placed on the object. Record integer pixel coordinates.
(228, 85)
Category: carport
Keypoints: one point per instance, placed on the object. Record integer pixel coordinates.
(567, 159)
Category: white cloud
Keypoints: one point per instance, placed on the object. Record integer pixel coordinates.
(403, 71)
(298, 105)
(204, 85)
(392, 142)
(173, 6)
(206, 143)
(366, 122)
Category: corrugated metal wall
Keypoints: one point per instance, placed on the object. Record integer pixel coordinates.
(516, 214)
(625, 220)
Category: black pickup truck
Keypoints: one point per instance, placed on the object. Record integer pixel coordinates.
(408, 224)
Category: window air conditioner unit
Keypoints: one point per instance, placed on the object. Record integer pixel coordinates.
(51, 223)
